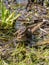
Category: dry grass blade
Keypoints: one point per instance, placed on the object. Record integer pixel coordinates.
(44, 30)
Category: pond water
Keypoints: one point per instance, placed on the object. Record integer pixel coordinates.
(17, 1)
(22, 1)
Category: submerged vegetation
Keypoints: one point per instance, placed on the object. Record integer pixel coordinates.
(24, 34)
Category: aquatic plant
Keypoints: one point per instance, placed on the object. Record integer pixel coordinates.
(7, 18)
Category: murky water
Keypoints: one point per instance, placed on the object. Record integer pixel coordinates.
(38, 12)
(22, 1)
